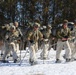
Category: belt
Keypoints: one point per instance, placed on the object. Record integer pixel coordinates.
(64, 40)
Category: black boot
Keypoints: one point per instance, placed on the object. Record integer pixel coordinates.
(58, 61)
(68, 60)
(15, 60)
(5, 61)
(1, 54)
(11, 55)
(74, 59)
(7, 57)
(32, 62)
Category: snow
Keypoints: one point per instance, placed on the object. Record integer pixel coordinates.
(44, 67)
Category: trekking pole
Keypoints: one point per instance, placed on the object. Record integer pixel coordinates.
(23, 57)
(20, 55)
(20, 52)
(43, 56)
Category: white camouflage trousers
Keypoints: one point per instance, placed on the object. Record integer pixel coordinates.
(67, 48)
(44, 53)
(73, 49)
(2, 46)
(10, 47)
(33, 49)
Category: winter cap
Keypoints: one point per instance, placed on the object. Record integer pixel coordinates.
(49, 26)
(12, 28)
(37, 24)
(65, 22)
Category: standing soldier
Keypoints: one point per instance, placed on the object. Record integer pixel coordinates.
(33, 37)
(73, 56)
(6, 29)
(62, 35)
(11, 39)
(46, 41)
(20, 35)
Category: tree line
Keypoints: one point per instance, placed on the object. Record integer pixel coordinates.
(44, 11)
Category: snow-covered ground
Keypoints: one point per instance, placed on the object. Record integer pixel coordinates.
(44, 67)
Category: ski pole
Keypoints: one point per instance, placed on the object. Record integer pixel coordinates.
(23, 57)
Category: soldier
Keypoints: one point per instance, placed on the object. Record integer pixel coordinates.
(46, 41)
(49, 28)
(5, 29)
(20, 35)
(33, 37)
(73, 56)
(11, 40)
(62, 35)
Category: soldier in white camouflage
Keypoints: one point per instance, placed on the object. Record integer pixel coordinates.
(6, 29)
(73, 46)
(63, 34)
(33, 36)
(46, 45)
(19, 46)
(11, 39)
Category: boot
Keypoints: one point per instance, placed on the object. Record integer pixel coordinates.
(74, 59)
(32, 62)
(58, 61)
(64, 56)
(1, 54)
(15, 60)
(68, 60)
(11, 55)
(5, 61)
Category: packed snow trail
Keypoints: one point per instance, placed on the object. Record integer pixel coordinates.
(48, 68)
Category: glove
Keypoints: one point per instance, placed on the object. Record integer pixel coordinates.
(65, 36)
(31, 41)
(8, 39)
